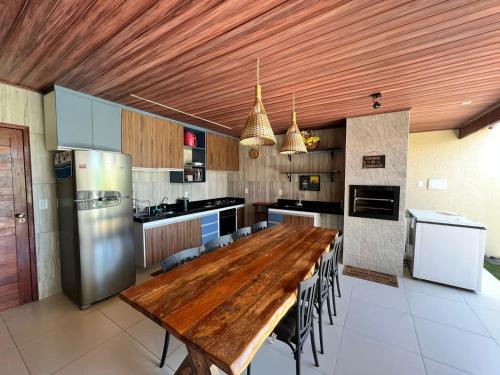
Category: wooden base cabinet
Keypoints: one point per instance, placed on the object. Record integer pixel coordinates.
(165, 240)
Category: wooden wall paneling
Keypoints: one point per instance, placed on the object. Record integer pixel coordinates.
(168, 239)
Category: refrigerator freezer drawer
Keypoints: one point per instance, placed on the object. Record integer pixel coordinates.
(448, 254)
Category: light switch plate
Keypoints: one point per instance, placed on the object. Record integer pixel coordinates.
(280, 192)
(246, 190)
(420, 183)
(437, 184)
(43, 204)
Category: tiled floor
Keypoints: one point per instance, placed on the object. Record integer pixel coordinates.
(419, 328)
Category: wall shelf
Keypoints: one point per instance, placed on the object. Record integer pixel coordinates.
(331, 150)
(331, 173)
(192, 154)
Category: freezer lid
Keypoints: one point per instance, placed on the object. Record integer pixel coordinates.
(103, 171)
(445, 218)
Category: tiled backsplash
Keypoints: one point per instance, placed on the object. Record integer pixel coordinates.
(153, 185)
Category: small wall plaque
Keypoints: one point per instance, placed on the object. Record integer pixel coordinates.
(309, 183)
(374, 161)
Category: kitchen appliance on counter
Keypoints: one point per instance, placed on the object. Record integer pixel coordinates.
(446, 248)
(183, 204)
(96, 224)
(227, 221)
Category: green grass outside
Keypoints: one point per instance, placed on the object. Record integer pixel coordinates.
(494, 269)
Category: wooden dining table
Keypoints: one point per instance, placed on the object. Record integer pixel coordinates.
(223, 305)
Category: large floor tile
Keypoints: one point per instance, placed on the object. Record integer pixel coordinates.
(31, 320)
(6, 342)
(175, 358)
(119, 312)
(460, 349)
(152, 336)
(383, 324)
(56, 349)
(445, 311)
(11, 363)
(120, 355)
(435, 368)
(433, 289)
(331, 342)
(362, 355)
(379, 294)
(268, 360)
(491, 320)
(489, 297)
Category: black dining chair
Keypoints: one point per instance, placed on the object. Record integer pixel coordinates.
(297, 325)
(257, 227)
(168, 264)
(241, 233)
(334, 274)
(217, 243)
(323, 295)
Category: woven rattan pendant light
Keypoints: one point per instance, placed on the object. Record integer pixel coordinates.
(257, 131)
(293, 142)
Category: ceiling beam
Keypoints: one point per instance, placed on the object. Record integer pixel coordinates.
(486, 119)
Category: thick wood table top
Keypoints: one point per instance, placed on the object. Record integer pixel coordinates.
(226, 303)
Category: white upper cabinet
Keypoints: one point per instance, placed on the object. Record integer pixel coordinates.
(77, 121)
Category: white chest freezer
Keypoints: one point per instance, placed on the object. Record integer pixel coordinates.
(445, 248)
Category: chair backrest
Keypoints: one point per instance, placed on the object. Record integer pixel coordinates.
(241, 233)
(217, 243)
(305, 305)
(337, 248)
(179, 258)
(325, 269)
(257, 227)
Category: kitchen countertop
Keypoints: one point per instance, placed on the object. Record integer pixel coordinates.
(332, 208)
(194, 207)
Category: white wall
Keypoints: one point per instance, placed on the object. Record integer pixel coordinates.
(375, 244)
(471, 168)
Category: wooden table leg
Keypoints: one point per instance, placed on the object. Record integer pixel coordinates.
(196, 363)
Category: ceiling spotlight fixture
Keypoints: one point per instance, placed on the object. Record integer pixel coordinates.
(377, 100)
(467, 102)
(257, 130)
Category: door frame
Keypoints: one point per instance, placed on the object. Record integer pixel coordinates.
(29, 205)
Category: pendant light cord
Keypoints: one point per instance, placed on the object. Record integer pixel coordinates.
(293, 102)
(258, 68)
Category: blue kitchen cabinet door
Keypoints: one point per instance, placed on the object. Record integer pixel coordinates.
(106, 127)
(74, 120)
(274, 218)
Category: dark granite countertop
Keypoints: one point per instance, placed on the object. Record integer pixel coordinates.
(168, 211)
(333, 208)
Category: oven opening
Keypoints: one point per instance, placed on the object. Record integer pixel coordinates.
(374, 201)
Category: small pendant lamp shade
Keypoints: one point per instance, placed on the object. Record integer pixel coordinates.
(257, 131)
(293, 142)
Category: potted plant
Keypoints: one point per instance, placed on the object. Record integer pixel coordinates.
(311, 141)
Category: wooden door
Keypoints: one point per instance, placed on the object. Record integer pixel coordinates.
(16, 286)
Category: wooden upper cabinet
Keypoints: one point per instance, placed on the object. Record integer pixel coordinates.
(223, 153)
(152, 142)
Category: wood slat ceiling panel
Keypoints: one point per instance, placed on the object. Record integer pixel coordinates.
(199, 56)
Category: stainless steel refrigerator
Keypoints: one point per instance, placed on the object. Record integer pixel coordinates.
(94, 191)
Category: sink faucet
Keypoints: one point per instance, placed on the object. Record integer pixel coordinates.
(299, 201)
(164, 200)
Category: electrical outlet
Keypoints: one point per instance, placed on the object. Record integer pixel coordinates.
(280, 192)
(43, 204)
(246, 190)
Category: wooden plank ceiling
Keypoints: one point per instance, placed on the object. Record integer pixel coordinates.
(199, 56)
